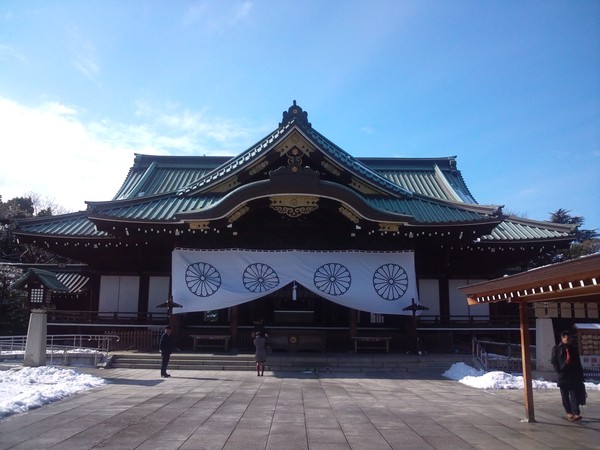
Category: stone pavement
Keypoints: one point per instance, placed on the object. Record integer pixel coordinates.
(296, 410)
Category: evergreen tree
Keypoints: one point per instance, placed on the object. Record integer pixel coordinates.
(13, 313)
(31, 205)
(586, 241)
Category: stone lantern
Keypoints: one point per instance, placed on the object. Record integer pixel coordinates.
(39, 284)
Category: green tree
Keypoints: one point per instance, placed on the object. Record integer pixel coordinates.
(30, 205)
(14, 315)
(16, 208)
(586, 242)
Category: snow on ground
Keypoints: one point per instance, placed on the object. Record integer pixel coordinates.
(480, 379)
(32, 387)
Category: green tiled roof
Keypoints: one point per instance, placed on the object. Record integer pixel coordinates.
(518, 229)
(429, 212)
(74, 224)
(236, 162)
(159, 208)
(353, 164)
(47, 279)
(152, 175)
(158, 188)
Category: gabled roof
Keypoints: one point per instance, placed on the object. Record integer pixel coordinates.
(76, 283)
(158, 174)
(151, 174)
(169, 190)
(43, 277)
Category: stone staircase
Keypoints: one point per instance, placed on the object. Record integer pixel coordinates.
(427, 364)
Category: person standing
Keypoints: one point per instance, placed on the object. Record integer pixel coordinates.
(260, 356)
(166, 348)
(566, 362)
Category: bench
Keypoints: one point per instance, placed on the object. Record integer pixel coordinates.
(371, 343)
(210, 340)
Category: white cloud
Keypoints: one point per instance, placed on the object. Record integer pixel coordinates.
(194, 13)
(59, 109)
(8, 53)
(85, 59)
(213, 17)
(241, 11)
(200, 132)
(49, 150)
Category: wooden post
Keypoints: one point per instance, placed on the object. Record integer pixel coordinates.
(353, 322)
(233, 323)
(526, 360)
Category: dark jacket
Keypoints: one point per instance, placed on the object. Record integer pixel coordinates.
(568, 374)
(166, 343)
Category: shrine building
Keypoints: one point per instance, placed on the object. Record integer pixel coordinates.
(293, 234)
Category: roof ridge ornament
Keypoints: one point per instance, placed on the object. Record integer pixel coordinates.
(296, 113)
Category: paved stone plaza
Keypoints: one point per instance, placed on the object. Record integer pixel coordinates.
(296, 410)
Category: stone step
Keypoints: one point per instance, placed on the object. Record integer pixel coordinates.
(295, 362)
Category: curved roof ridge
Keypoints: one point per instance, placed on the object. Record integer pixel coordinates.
(142, 181)
(353, 163)
(446, 186)
(94, 205)
(489, 210)
(324, 189)
(236, 161)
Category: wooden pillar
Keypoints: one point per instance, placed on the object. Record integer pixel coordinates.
(353, 322)
(233, 323)
(143, 294)
(444, 292)
(526, 359)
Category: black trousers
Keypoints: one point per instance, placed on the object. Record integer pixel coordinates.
(569, 399)
(165, 363)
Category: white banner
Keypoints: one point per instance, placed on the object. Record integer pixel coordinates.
(377, 282)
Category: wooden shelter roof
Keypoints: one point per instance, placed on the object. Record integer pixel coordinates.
(577, 280)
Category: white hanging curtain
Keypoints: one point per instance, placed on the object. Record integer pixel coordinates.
(377, 282)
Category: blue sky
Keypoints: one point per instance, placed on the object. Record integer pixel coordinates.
(512, 88)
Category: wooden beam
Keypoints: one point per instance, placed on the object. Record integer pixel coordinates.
(573, 295)
(586, 268)
(578, 294)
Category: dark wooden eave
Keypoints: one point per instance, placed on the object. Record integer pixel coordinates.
(575, 280)
(305, 182)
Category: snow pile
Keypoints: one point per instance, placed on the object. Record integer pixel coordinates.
(480, 379)
(32, 387)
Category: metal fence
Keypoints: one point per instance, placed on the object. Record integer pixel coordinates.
(61, 348)
(502, 356)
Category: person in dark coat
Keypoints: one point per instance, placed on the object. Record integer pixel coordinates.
(166, 348)
(566, 362)
(260, 356)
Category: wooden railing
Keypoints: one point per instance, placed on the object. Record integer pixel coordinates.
(436, 334)
(95, 317)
